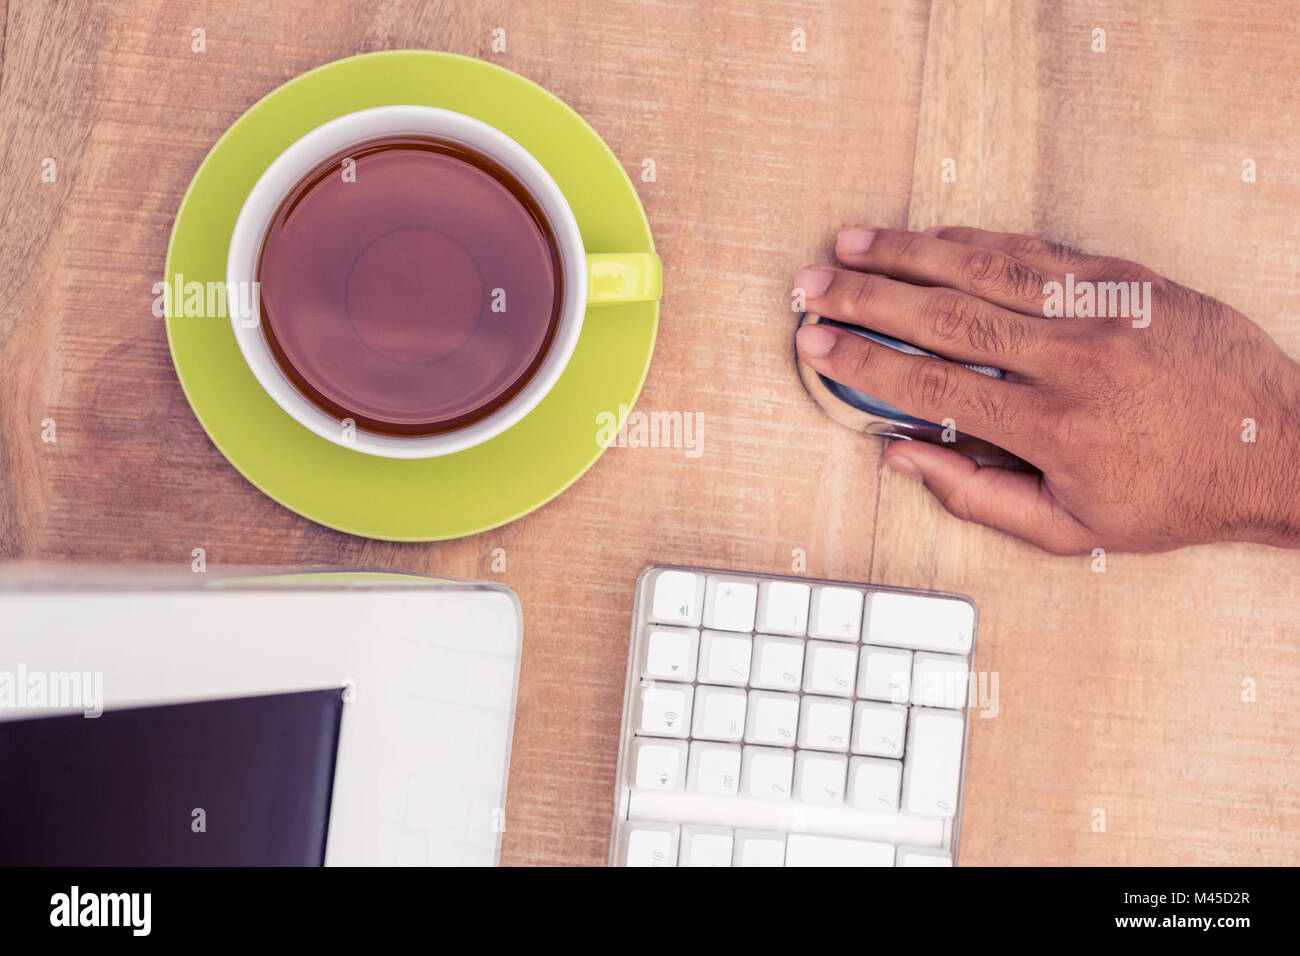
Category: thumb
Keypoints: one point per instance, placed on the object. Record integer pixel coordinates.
(1012, 501)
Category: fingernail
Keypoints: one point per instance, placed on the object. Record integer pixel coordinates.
(903, 465)
(855, 240)
(814, 341)
(814, 280)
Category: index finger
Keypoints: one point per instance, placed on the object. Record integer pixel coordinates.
(981, 271)
(1049, 255)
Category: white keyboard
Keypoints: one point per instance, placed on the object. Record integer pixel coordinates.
(781, 721)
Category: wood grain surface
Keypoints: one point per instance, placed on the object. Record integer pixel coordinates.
(1119, 691)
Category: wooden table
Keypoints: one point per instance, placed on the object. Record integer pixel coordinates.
(1121, 693)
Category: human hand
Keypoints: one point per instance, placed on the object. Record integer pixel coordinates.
(1174, 423)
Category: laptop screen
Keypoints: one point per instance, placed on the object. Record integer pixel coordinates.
(239, 782)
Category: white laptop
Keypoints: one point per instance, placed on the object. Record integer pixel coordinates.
(344, 718)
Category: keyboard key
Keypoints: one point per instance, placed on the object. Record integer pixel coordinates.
(724, 658)
(824, 723)
(783, 607)
(665, 709)
(773, 718)
(805, 849)
(767, 773)
(932, 771)
(923, 856)
(919, 621)
(677, 598)
(939, 680)
(651, 844)
(836, 614)
(819, 778)
(705, 846)
(758, 848)
(874, 783)
(659, 764)
(830, 668)
(879, 728)
(787, 816)
(778, 663)
(719, 713)
(885, 673)
(729, 603)
(670, 653)
(714, 768)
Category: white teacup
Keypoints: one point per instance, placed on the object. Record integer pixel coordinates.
(586, 279)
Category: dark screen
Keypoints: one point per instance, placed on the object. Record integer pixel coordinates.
(123, 789)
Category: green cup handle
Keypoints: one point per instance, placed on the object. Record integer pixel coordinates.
(614, 277)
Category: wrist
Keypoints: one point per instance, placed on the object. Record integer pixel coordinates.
(1274, 468)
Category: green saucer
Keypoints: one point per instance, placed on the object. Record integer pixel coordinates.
(471, 491)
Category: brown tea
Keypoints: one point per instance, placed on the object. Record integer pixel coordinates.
(410, 285)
